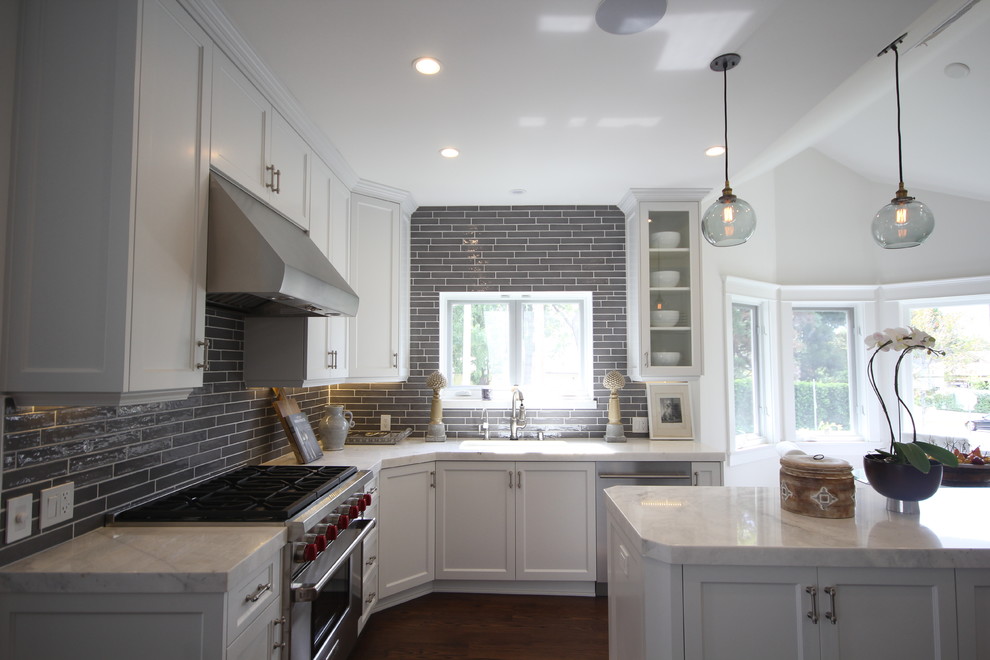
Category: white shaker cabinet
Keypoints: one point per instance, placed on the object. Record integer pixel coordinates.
(664, 283)
(407, 524)
(107, 255)
(306, 352)
(254, 145)
(782, 613)
(516, 521)
(379, 274)
(973, 598)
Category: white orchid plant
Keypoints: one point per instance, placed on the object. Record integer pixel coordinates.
(916, 453)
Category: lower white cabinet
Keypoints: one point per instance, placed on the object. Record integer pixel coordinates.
(244, 623)
(407, 524)
(973, 601)
(515, 520)
(369, 555)
(829, 613)
(661, 611)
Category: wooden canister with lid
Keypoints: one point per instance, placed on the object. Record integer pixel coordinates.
(817, 486)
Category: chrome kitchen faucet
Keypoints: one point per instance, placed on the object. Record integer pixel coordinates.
(517, 422)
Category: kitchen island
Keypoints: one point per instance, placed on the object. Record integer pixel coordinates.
(724, 573)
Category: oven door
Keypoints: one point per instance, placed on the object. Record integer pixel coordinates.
(326, 598)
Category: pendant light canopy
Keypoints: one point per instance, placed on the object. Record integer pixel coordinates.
(905, 222)
(730, 220)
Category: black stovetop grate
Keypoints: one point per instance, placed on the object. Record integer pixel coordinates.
(256, 493)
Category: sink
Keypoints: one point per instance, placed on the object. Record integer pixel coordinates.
(505, 446)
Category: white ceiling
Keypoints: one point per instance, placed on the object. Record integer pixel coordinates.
(537, 97)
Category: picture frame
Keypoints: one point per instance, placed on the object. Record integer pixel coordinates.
(669, 406)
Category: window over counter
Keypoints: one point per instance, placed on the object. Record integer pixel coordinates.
(751, 393)
(540, 341)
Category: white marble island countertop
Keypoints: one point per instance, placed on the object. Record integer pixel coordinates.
(152, 559)
(745, 526)
(411, 450)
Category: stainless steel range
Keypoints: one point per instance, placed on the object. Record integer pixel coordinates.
(323, 509)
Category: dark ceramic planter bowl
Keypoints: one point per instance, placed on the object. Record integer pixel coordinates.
(902, 482)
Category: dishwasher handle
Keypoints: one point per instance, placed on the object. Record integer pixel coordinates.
(612, 475)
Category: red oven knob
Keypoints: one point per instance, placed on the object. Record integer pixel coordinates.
(353, 512)
(317, 540)
(328, 531)
(305, 552)
(340, 519)
(343, 521)
(367, 499)
(357, 502)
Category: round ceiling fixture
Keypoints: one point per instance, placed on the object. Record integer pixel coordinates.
(629, 16)
(449, 152)
(428, 66)
(717, 150)
(956, 70)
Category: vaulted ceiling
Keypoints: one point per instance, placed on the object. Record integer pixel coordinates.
(537, 98)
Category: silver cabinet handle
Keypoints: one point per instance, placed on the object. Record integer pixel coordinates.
(519, 479)
(510, 479)
(371, 598)
(831, 614)
(256, 596)
(433, 479)
(695, 482)
(395, 360)
(205, 364)
(813, 592)
(280, 622)
(612, 475)
(371, 560)
(646, 359)
(276, 183)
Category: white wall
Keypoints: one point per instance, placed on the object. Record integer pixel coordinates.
(814, 220)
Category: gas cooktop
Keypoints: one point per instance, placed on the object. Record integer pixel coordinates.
(258, 493)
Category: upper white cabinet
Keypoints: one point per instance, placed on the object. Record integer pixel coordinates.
(516, 521)
(254, 145)
(107, 254)
(305, 352)
(664, 295)
(379, 274)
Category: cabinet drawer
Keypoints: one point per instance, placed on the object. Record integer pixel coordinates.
(253, 595)
(370, 553)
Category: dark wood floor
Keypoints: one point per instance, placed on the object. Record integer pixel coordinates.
(488, 627)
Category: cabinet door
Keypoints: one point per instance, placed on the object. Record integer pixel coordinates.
(263, 639)
(168, 308)
(338, 327)
(626, 598)
(375, 269)
(706, 473)
(291, 160)
(664, 288)
(240, 128)
(733, 612)
(475, 520)
(407, 526)
(973, 598)
(555, 521)
(917, 603)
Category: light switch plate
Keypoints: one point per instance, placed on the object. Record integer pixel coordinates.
(19, 517)
(56, 504)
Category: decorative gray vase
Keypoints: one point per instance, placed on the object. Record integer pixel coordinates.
(334, 427)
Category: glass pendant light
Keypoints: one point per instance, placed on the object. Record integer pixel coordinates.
(905, 222)
(730, 220)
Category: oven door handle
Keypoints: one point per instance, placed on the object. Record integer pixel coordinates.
(611, 475)
(302, 593)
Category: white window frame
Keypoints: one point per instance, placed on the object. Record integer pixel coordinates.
(764, 296)
(762, 362)
(470, 396)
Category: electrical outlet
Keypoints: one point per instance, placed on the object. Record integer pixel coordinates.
(56, 504)
(640, 425)
(386, 421)
(19, 517)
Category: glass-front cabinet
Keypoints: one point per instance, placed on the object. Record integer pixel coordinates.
(663, 283)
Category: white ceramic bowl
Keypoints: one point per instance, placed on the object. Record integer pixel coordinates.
(666, 358)
(665, 239)
(664, 318)
(665, 278)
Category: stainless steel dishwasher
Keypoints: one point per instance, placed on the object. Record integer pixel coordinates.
(631, 473)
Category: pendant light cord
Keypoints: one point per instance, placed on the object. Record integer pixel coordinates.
(897, 92)
(725, 120)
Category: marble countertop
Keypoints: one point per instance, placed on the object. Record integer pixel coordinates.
(746, 526)
(411, 450)
(159, 559)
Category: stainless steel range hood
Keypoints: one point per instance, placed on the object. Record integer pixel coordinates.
(263, 265)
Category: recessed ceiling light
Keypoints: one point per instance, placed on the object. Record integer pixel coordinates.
(956, 70)
(449, 152)
(427, 65)
(717, 150)
(518, 191)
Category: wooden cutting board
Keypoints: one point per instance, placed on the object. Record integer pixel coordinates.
(297, 428)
